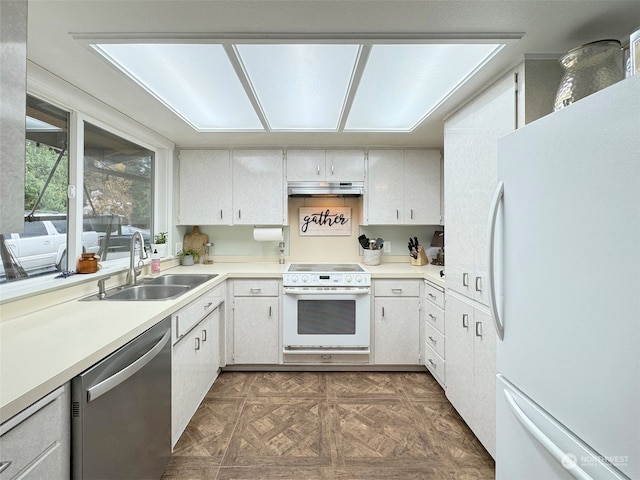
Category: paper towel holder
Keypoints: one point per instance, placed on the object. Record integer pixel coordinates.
(281, 247)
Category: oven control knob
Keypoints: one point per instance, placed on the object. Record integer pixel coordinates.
(358, 279)
(305, 278)
(294, 278)
(348, 279)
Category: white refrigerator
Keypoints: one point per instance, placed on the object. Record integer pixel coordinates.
(564, 276)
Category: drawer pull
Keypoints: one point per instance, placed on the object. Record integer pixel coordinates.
(432, 295)
(433, 317)
(433, 340)
(4, 466)
(465, 279)
(206, 307)
(478, 284)
(396, 290)
(465, 320)
(434, 365)
(325, 357)
(256, 290)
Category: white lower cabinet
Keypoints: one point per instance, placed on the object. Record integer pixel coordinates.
(470, 345)
(195, 357)
(256, 322)
(35, 444)
(396, 322)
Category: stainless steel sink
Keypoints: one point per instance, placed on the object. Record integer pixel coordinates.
(148, 292)
(165, 287)
(191, 280)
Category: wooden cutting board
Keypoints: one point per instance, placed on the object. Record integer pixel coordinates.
(195, 240)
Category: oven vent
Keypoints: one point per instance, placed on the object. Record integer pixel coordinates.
(325, 189)
(75, 409)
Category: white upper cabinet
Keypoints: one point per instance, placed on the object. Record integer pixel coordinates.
(258, 187)
(325, 165)
(403, 187)
(205, 187)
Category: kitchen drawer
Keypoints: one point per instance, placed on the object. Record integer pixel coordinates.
(37, 440)
(435, 364)
(394, 288)
(434, 294)
(184, 319)
(434, 339)
(435, 316)
(256, 288)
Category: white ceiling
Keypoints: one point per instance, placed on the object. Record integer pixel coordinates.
(548, 28)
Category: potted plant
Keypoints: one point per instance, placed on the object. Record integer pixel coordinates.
(160, 244)
(188, 256)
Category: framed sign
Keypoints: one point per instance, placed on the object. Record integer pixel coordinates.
(324, 221)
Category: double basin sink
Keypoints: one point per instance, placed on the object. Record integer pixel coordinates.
(165, 287)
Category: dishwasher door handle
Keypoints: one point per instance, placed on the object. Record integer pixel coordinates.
(115, 380)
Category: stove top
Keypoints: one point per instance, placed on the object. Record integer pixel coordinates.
(325, 275)
(325, 267)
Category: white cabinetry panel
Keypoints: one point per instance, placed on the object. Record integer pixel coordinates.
(325, 165)
(258, 187)
(205, 187)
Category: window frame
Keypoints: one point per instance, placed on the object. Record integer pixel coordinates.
(85, 108)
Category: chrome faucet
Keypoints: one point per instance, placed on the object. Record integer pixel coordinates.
(133, 270)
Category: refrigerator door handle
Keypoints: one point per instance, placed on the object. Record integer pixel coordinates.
(498, 195)
(555, 451)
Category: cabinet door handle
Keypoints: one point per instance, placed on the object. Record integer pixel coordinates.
(197, 343)
(239, 213)
(383, 311)
(432, 364)
(411, 210)
(256, 290)
(4, 466)
(318, 170)
(478, 284)
(269, 311)
(465, 279)
(433, 340)
(465, 320)
(220, 214)
(478, 329)
(397, 214)
(204, 335)
(396, 290)
(332, 169)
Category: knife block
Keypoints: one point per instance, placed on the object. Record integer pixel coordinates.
(422, 258)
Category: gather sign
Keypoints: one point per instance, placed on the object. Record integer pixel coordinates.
(324, 221)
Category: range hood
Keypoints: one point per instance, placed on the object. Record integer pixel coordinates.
(325, 189)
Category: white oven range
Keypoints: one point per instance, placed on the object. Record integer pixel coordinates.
(326, 311)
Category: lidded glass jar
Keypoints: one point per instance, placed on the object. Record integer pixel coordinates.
(207, 257)
(587, 69)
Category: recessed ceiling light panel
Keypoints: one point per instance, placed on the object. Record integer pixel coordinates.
(402, 84)
(300, 87)
(196, 81)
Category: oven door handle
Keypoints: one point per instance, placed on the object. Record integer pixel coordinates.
(320, 291)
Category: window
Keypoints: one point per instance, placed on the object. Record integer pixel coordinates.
(117, 191)
(36, 250)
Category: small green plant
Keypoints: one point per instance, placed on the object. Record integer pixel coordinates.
(159, 238)
(189, 251)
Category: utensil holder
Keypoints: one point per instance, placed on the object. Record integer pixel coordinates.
(422, 258)
(372, 257)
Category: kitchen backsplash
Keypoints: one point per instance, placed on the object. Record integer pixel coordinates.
(237, 242)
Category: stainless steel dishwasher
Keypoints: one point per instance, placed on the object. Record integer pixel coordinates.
(121, 411)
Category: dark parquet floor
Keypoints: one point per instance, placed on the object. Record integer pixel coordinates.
(328, 425)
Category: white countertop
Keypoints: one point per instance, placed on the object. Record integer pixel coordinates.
(44, 349)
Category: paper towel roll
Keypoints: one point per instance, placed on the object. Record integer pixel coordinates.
(273, 234)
